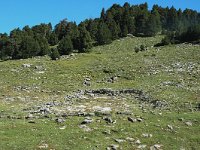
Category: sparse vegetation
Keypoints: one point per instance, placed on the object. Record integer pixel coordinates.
(43, 104)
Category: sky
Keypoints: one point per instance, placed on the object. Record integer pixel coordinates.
(18, 13)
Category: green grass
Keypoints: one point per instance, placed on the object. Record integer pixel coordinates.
(144, 70)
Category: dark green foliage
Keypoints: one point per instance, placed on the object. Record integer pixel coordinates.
(192, 34)
(53, 39)
(104, 35)
(92, 28)
(113, 26)
(85, 41)
(44, 46)
(29, 48)
(65, 46)
(61, 29)
(55, 54)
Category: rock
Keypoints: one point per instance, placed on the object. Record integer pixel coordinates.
(188, 123)
(139, 119)
(39, 68)
(59, 120)
(87, 82)
(156, 147)
(119, 140)
(63, 127)
(87, 120)
(26, 65)
(132, 119)
(170, 127)
(137, 142)
(43, 146)
(30, 116)
(113, 147)
(108, 132)
(146, 135)
(142, 146)
(85, 128)
(103, 110)
(108, 119)
(130, 139)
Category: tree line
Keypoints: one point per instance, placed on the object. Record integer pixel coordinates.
(114, 23)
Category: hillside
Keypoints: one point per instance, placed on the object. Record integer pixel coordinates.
(109, 98)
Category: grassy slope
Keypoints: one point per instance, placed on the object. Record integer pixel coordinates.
(144, 70)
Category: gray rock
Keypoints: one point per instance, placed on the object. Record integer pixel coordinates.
(170, 127)
(132, 119)
(142, 146)
(188, 123)
(119, 140)
(113, 147)
(108, 119)
(156, 147)
(60, 120)
(85, 128)
(26, 65)
(138, 142)
(87, 120)
(139, 119)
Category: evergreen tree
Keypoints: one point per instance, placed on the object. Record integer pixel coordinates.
(104, 35)
(85, 41)
(53, 39)
(92, 28)
(113, 26)
(142, 19)
(61, 29)
(55, 54)
(44, 45)
(29, 48)
(65, 46)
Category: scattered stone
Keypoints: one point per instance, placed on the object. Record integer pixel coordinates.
(87, 120)
(170, 127)
(26, 65)
(30, 116)
(113, 147)
(139, 119)
(132, 119)
(142, 146)
(103, 110)
(60, 120)
(130, 139)
(108, 132)
(85, 128)
(108, 119)
(188, 123)
(138, 142)
(119, 140)
(43, 146)
(62, 128)
(146, 135)
(156, 147)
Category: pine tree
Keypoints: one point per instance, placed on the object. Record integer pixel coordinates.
(53, 39)
(85, 41)
(65, 46)
(104, 35)
(113, 26)
(61, 29)
(55, 54)
(29, 48)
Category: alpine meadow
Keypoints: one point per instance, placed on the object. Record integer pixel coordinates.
(128, 80)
